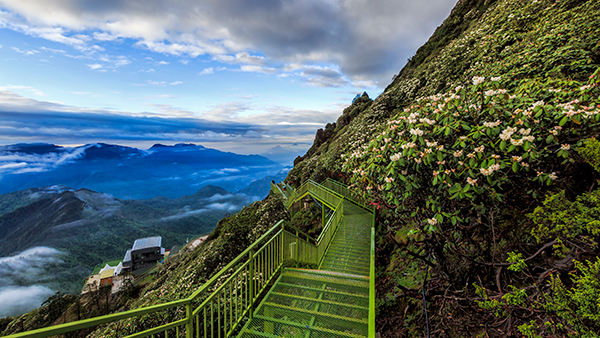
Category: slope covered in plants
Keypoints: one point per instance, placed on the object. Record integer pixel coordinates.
(480, 157)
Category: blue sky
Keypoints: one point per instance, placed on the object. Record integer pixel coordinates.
(241, 76)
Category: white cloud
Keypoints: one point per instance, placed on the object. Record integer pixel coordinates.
(52, 50)
(28, 267)
(103, 36)
(94, 66)
(258, 69)
(17, 300)
(29, 89)
(163, 63)
(26, 52)
(207, 71)
(20, 163)
(359, 38)
(175, 83)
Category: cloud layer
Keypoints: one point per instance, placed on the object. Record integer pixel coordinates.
(25, 119)
(22, 279)
(353, 40)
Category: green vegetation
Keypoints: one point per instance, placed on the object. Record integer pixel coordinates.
(493, 117)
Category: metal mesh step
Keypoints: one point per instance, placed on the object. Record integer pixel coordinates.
(313, 303)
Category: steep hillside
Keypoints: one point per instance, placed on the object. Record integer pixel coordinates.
(477, 156)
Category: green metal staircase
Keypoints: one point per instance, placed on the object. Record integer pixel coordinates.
(313, 303)
(349, 250)
(332, 301)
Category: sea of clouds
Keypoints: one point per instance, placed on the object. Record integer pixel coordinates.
(24, 280)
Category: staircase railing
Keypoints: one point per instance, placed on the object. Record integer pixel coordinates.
(343, 190)
(313, 251)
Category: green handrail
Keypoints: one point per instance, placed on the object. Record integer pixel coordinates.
(343, 190)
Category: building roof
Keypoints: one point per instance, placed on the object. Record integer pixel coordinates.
(145, 243)
(127, 256)
(107, 273)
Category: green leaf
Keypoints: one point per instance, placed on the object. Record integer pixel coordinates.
(515, 166)
(503, 145)
(435, 180)
(563, 121)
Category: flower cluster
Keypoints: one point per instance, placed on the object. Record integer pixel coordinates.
(455, 146)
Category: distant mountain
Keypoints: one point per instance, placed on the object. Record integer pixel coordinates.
(51, 238)
(260, 188)
(129, 173)
(284, 155)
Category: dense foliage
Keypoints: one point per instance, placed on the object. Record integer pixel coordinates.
(494, 115)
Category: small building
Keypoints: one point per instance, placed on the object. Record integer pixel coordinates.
(144, 253)
(106, 277)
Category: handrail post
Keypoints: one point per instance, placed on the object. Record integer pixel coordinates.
(189, 326)
(297, 245)
(251, 273)
(282, 244)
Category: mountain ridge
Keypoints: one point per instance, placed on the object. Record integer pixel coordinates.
(127, 172)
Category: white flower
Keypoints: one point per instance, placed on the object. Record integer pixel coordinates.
(418, 160)
(462, 138)
(389, 179)
(477, 80)
(458, 88)
(539, 103)
(416, 131)
(395, 157)
(552, 176)
(490, 170)
(492, 124)
(432, 221)
(496, 79)
(554, 132)
(524, 131)
(565, 147)
(517, 158)
(471, 181)
(516, 142)
(408, 145)
(479, 149)
(507, 133)
(431, 144)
